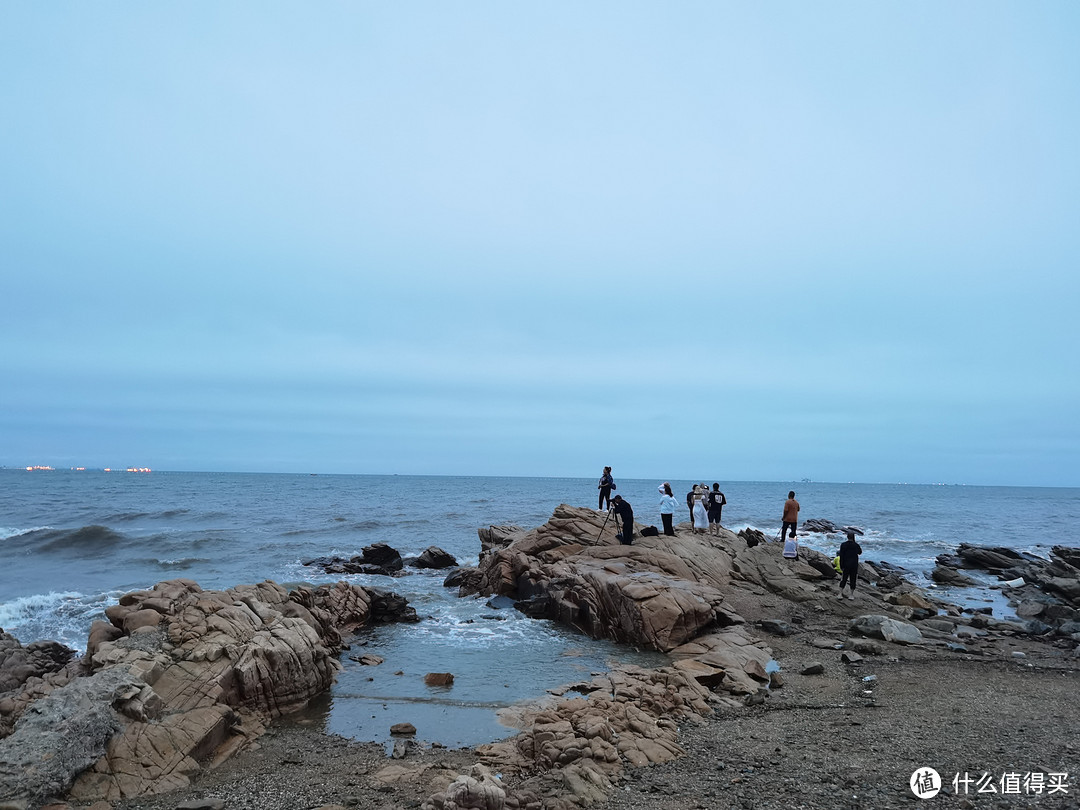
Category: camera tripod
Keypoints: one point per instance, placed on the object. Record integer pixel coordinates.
(618, 529)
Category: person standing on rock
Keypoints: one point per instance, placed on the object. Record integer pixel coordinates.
(849, 564)
(667, 508)
(701, 517)
(625, 514)
(690, 506)
(791, 516)
(716, 509)
(605, 485)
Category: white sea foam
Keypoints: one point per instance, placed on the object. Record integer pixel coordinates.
(56, 616)
(5, 533)
(20, 610)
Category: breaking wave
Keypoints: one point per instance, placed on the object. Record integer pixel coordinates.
(86, 540)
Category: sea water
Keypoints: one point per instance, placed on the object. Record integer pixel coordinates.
(72, 542)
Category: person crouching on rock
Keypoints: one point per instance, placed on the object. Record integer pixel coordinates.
(667, 508)
(624, 513)
(849, 564)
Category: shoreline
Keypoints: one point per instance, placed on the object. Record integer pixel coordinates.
(817, 743)
(843, 717)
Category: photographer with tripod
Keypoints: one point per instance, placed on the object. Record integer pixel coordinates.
(623, 512)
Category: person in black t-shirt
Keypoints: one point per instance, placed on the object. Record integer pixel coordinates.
(716, 507)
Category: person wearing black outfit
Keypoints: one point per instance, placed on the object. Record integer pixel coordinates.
(849, 564)
(716, 509)
(606, 484)
(625, 514)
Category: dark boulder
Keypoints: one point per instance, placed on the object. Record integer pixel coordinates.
(435, 557)
(19, 663)
(535, 607)
(466, 579)
(777, 627)
(950, 560)
(944, 575)
(382, 555)
(890, 582)
(1068, 555)
(753, 537)
(822, 566)
(820, 526)
(387, 606)
(357, 565)
(987, 558)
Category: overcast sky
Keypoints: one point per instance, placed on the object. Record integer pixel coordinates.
(733, 241)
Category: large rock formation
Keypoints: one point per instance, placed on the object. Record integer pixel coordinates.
(177, 677)
(665, 593)
(660, 592)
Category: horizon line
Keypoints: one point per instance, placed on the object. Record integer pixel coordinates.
(143, 470)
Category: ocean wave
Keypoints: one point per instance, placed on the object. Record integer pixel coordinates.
(336, 528)
(170, 564)
(210, 540)
(15, 612)
(85, 540)
(6, 533)
(123, 517)
(302, 532)
(54, 616)
(127, 517)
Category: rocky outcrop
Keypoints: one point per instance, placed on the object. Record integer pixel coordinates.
(186, 676)
(630, 717)
(382, 560)
(822, 526)
(1044, 592)
(30, 672)
(659, 592)
(37, 660)
(576, 748)
(493, 538)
